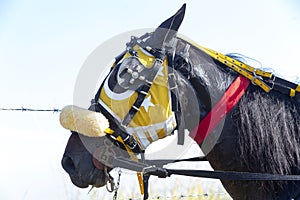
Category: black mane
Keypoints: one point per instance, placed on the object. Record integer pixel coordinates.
(268, 132)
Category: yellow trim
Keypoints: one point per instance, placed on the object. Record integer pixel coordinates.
(298, 88)
(130, 152)
(161, 134)
(245, 70)
(141, 183)
(148, 137)
(135, 159)
(292, 92)
(235, 65)
(132, 155)
(109, 131)
(239, 64)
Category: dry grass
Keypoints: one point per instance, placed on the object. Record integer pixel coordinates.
(163, 189)
(171, 188)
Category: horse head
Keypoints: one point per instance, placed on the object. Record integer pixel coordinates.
(80, 159)
(240, 126)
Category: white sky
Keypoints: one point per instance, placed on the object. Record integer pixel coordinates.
(44, 44)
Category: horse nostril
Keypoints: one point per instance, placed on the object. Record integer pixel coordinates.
(68, 165)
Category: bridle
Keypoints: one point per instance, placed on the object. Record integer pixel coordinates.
(265, 80)
(142, 91)
(146, 77)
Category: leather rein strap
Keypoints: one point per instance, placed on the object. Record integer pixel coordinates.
(147, 169)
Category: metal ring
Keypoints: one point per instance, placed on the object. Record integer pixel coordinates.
(110, 180)
(252, 80)
(254, 72)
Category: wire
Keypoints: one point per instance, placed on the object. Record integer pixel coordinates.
(54, 110)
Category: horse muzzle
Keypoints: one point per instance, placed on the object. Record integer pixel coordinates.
(83, 172)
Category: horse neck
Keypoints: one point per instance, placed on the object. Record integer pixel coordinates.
(207, 77)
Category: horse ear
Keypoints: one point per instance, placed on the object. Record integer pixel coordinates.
(167, 30)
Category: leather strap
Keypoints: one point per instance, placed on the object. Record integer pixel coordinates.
(142, 93)
(231, 97)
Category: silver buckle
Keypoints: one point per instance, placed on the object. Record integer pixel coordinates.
(255, 76)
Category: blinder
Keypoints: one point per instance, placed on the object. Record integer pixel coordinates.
(132, 73)
(138, 69)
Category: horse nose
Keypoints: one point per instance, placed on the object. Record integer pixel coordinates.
(68, 165)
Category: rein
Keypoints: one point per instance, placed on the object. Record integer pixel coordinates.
(148, 168)
(246, 74)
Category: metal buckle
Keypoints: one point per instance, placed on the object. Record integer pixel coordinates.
(272, 82)
(157, 171)
(172, 76)
(252, 80)
(159, 60)
(110, 184)
(132, 144)
(255, 76)
(172, 83)
(148, 169)
(254, 72)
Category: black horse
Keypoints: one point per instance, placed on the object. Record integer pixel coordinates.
(260, 133)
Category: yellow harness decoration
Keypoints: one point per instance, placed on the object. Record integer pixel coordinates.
(265, 80)
(154, 119)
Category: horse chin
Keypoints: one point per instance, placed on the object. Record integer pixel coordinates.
(78, 182)
(96, 179)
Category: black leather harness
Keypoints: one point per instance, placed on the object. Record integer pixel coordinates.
(155, 167)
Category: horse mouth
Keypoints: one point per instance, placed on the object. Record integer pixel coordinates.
(96, 179)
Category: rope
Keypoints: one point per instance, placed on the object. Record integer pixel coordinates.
(54, 110)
